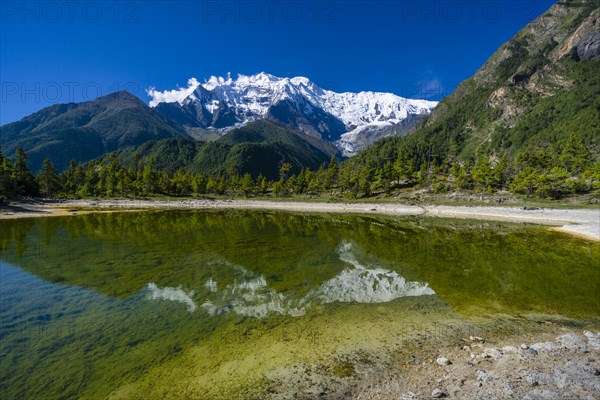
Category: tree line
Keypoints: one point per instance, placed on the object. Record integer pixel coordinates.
(546, 173)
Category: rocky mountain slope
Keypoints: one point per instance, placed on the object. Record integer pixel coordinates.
(536, 91)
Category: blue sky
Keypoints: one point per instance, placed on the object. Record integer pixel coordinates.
(57, 52)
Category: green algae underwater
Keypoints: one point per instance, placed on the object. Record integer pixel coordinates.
(224, 304)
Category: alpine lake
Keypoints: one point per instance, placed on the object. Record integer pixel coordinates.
(240, 304)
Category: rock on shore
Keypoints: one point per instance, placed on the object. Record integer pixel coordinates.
(565, 368)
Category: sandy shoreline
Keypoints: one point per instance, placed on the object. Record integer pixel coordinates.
(580, 222)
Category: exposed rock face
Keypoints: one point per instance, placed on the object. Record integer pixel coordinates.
(584, 43)
(545, 38)
(501, 99)
(589, 47)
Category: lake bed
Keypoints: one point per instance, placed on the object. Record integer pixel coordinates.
(222, 304)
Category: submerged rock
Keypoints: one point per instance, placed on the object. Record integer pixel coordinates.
(531, 351)
(541, 394)
(535, 378)
(476, 339)
(576, 374)
(508, 389)
(481, 375)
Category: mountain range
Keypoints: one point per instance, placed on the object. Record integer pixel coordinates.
(205, 112)
(537, 90)
(351, 120)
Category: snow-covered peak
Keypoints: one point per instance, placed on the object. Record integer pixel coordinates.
(251, 97)
(215, 81)
(254, 94)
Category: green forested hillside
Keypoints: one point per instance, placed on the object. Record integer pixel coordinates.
(534, 93)
(85, 131)
(260, 147)
(532, 113)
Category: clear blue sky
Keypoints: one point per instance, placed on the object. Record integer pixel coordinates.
(56, 52)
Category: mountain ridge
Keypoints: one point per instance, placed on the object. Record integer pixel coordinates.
(86, 130)
(224, 103)
(258, 148)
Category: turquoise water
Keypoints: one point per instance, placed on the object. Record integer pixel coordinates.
(176, 304)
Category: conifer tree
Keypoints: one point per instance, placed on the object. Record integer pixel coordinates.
(49, 181)
(24, 181)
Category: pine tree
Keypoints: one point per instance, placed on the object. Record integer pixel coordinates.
(7, 184)
(575, 156)
(149, 179)
(199, 184)
(284, 170)
(72, 178)
(332, 173)
(263, 184)
(48, 179)
(211, 185)
(123, 182)
(112, 175)
(25, 183)
(482, 171)
(247, 184)
(279, 188)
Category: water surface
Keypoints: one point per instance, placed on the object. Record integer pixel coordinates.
(208, 304)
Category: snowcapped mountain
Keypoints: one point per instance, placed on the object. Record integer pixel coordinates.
(351, 120)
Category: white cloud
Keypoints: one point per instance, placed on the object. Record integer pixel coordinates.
(172, 96)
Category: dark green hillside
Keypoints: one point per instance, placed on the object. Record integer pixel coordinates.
(259, 147)
(305, 148)
(85, 131)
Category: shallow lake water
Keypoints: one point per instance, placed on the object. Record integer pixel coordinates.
(210, 304)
